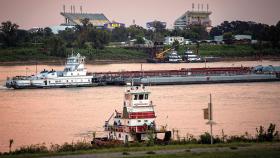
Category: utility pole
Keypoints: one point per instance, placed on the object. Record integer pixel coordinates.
(208, 115)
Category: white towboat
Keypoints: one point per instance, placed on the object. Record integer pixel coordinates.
(73, 75)
(173, 57)
(189, 56)
(136, 122)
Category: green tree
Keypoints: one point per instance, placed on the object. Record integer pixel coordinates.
(47, 32)
(69, 36)
(119, 34)
(176, 45)
(135, 30)
(82, 32)
(23, 37)
(98, 38)
(228, 37)
(56, 46)
(201, 32)
(9, 33)
(140, 40)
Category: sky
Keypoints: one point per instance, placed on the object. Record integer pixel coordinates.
(43, 13)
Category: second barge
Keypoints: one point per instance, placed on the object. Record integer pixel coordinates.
(192, 76)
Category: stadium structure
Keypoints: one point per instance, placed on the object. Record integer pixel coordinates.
(194, 17)
(72, 18)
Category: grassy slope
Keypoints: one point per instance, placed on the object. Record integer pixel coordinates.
(232, 50)
(22, 54)
(33, 53)
(260, 153)
(112, 54)
(150, 148)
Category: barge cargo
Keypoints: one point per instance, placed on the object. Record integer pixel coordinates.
(75, 75)
(193, 76)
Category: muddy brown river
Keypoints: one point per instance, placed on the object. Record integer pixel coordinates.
(34, 116)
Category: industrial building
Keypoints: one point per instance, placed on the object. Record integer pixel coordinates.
(194, 17)
(170, 40)
(237, 39)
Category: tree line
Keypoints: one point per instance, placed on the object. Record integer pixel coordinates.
(88, 36)
(258, 31)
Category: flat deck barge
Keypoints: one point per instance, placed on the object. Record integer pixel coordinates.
(191, 76)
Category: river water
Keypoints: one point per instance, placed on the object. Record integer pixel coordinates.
(34, 116)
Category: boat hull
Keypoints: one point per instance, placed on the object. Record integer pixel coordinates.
(61, 82)
(176, 80)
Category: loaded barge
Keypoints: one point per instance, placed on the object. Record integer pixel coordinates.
(76, 75)
(193, 76)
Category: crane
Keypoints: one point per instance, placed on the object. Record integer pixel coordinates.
(159, 56)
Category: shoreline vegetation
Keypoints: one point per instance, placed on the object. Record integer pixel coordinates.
(128, 44)
(109, 55)
(268, 136)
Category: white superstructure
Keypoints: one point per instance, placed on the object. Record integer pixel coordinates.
(173, 57)
(74, 74)
(189, 56)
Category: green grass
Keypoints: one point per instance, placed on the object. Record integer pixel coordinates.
(260, 153)
(33, 53)
(23, 54)
(232, 50)
(129, 149)
(113, 53)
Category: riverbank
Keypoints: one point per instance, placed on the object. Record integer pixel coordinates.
(104, 62)
(256, 150)
(109, 55)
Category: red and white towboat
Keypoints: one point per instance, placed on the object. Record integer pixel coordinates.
(136, 122)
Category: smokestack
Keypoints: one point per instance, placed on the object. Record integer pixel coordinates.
(201, 7)
(73, 9)
(198, 6)
(207, 7)
(81, 9)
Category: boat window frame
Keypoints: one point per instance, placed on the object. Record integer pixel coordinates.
(146, 97)
(141, 97)
(135, 97)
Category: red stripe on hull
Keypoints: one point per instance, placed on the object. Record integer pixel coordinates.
(141, 115)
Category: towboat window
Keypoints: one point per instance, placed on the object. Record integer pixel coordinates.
(135, 97)
(146, 96)
(141, 97)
